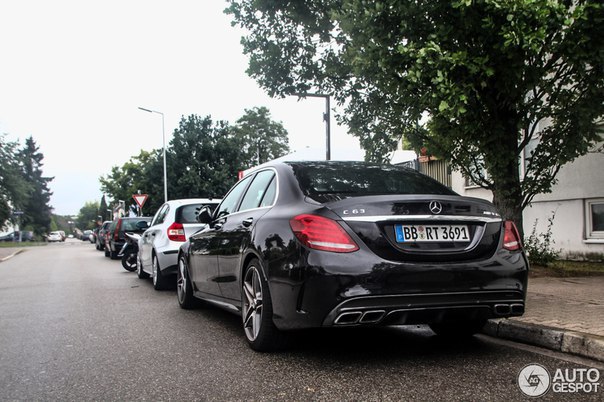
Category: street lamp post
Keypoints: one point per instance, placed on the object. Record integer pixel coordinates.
(163, 133)
(326, 119)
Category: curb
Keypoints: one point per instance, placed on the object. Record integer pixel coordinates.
(12, 255)
(576, 343)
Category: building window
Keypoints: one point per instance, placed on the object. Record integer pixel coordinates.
(469, 183)
(595, 218)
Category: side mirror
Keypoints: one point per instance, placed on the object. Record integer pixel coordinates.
(142, 225)
(205, 215)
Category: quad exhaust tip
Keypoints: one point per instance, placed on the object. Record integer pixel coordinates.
(509, 309)
(359, 317)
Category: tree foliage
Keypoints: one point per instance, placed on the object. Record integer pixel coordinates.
(36, 208)
(142, 172)
(88, 215)
(13, 187)
(474, 81)
(203, 159)
(102, 212)
(263, 139)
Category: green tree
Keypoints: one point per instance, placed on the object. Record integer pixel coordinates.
(36, 209)
(263, 139)
(87, 216)
(204, 158)
(102, 212)
(471, 79)
(143, 172)
(13, 188)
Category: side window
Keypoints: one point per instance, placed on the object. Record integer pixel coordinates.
(229, 203)
(256, 191)
(269, 195)
(160, 215)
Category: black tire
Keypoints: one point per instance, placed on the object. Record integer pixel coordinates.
(184, 287)
(129, 262)
(458, 330)
(159, 281)
(139, 268)
(257, 311)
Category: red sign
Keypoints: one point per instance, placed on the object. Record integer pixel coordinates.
(140, 199)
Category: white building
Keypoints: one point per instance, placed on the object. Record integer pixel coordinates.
(576, 201)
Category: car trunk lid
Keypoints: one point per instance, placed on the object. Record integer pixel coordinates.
(422, 227)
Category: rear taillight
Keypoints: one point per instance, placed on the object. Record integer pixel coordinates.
(511, 237)
(176, 232)
(322, 234)
(116, 232)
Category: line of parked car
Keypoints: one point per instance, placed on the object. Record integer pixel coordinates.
(297, 245)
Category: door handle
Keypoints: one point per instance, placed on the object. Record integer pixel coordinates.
(248, 222)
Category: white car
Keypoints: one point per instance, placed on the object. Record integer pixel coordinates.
(55, 236)
(173, 223)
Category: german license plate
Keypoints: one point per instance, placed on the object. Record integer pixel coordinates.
(431, 233)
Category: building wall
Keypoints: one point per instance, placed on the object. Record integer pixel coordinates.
(579, 183)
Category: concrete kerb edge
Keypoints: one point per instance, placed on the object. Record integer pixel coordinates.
(12, 255)
(577, 343)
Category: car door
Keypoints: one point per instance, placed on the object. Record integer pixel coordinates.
(149, 235)
(236, 230)
(204, 245)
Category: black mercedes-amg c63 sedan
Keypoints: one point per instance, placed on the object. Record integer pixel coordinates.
(298, 245)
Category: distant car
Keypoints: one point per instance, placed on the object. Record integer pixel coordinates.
(8, 237)
(173, 223)
(115, 239)
(55, 236)
(100, 236)
(86, 235)
(298, 245)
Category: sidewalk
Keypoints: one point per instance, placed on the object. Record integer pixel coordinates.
(563, 314)
(9, 252)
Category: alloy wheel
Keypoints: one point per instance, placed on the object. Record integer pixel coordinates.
(181, 281)
(154, 270)
(252, 303)
(139, 266)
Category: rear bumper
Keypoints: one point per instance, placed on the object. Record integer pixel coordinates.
(426, 308)
(168, 260)
(326, 290)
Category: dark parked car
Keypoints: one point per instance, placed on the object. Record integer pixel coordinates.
(100, 237)
(9, 237)
(26, 235)
(339, 244)
(115, 239)
(86, 235)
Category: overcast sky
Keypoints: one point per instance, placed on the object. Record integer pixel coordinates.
(73, 74)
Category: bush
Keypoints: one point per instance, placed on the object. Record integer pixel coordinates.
(539, 247)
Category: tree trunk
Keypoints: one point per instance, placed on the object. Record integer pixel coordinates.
(503, 166)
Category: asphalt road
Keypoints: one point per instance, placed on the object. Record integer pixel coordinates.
(75, 325)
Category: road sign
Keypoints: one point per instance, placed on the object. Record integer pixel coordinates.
(140, 199)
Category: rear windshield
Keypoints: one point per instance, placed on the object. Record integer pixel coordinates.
(325, 182)
(188, 213)
(130, 224)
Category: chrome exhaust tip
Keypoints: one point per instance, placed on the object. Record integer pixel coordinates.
(348, 318)
(517, 309)
(502, 309)
(372, 317)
